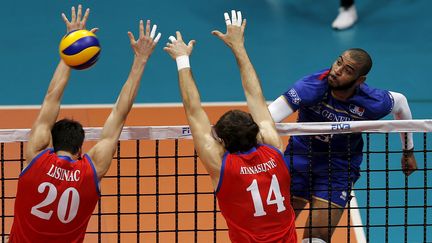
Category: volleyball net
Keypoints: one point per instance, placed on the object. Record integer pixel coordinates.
(157, 190)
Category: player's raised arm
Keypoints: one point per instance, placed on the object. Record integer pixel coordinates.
(40, 136)
(142, 47)
(234, 39)
(208, 148)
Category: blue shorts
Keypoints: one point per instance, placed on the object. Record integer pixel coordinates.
(311, 177)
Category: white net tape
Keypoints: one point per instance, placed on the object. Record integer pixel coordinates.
(284, 129)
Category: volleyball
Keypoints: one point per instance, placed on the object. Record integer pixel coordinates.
(79, 49)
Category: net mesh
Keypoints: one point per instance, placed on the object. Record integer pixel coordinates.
(157, 190)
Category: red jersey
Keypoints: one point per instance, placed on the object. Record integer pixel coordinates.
(254, 196)
(55, 199)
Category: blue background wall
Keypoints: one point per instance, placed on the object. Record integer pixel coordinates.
(286, 39)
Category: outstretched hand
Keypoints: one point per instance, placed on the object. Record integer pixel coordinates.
(77, 22)
(234, 36)
(143, 46)
(178, 47)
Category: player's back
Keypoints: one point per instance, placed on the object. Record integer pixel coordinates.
(253, 195)
(55, 199)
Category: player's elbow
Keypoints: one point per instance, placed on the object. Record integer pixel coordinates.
(401, 110)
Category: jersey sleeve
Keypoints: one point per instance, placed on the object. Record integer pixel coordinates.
(308, 90)
(379, 104)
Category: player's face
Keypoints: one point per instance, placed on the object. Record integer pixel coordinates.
(344, 73)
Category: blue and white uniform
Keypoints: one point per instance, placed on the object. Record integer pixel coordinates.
(334, 164)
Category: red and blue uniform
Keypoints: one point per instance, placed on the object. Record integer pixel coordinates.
(254, 196)
(55, 199)
(311, 97)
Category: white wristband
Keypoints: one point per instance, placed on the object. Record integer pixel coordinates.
(182, 62)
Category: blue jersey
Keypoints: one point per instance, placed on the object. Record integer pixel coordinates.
(312, 98)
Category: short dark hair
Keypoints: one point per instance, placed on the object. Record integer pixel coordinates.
(67, 135)
(238, 131)
(362, 57)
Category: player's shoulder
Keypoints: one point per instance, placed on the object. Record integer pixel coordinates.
(368, 92)
(378, 102)
(263, 146)
(309, 89)
(40, 155)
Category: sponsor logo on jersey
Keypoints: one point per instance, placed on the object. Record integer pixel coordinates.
(334, 116)
(343, 196)
(356, 110)
(295, 99)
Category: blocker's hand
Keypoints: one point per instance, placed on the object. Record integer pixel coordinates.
(178, 47)
(143, 46)
(77, 22)
(234, 36)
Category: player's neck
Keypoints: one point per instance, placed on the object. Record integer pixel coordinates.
(65, 153)
(343, 95)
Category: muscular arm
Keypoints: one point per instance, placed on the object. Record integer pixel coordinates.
(255, 99)
(40, 136)
(234, 39)
(208, 148)
(103, 152)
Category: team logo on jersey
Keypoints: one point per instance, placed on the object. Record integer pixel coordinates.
(343, 195)
(294, 96)
(356, 109)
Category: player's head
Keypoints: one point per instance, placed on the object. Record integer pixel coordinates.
(67, 135)
(237, 130)
(350, 69)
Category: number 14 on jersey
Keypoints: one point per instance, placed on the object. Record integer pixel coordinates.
(273, 190)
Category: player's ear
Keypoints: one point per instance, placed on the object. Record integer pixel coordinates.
(361, 79)
(260, 138)
(215, 136)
